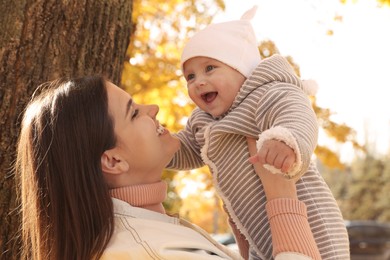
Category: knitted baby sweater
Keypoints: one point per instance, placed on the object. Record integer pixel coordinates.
(270, 105)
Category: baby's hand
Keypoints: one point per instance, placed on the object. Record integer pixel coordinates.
(275, 153)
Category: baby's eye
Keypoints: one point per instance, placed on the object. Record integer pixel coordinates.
(190, 76)
(210, 67)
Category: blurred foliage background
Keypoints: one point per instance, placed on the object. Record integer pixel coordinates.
(152, 75)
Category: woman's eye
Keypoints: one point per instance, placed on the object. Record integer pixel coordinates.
(209, 67)
(136, 111)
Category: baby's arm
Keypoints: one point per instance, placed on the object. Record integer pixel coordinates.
(189, 155)
(285, 114)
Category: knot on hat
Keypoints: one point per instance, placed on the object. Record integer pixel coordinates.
(248, 15)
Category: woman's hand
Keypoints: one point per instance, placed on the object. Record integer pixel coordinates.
(275, 185)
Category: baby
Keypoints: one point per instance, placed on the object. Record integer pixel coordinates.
(238, 96)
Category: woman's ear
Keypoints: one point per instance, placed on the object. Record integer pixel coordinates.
(112, 163)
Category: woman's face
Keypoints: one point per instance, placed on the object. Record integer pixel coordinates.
(146, 150)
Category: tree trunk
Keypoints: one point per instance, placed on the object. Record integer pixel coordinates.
(41, 40)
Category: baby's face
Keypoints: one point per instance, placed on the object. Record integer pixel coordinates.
(211, 84)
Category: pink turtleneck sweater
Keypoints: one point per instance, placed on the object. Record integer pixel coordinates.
(287, 218)
(147, 196)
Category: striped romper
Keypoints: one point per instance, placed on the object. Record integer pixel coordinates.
(271, 104)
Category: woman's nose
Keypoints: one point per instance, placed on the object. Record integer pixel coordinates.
(152, 110)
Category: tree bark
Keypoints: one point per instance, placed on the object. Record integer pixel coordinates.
(41, 40)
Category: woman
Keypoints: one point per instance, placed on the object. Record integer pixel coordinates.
(89, 168)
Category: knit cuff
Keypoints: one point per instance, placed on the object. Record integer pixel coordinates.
(285, 206)
(290, 229)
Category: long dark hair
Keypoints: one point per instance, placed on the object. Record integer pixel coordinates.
(67, 212)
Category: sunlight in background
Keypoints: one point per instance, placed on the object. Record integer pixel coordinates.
(351, 66)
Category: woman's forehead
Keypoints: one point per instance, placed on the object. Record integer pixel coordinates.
(119, 101)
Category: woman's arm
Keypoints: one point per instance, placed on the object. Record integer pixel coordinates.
(291, 233)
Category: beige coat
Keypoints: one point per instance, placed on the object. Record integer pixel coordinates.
(143, 234)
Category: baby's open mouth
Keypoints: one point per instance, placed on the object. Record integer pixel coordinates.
(209, 96)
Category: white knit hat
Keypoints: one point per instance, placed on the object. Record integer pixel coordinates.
(233, 43)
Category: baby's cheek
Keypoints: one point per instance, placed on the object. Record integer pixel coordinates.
(192, 95)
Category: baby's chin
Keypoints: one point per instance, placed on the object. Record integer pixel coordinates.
(216, 115)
